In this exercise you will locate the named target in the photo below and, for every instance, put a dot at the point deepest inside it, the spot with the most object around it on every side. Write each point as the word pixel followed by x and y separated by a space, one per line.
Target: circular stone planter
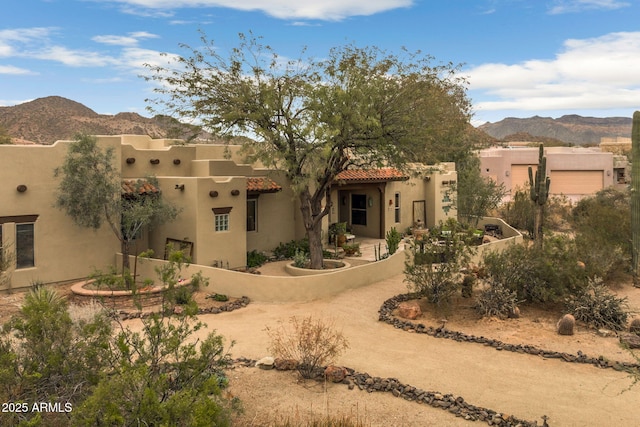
pixel 329 266
pixel 122 299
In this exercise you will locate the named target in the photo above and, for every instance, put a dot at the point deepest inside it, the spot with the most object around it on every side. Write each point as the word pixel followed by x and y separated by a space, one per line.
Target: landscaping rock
pixel 335 374
pixel 409 310
pixel 285 364
pixel 630 340
pixel 265 363
pixel 605 333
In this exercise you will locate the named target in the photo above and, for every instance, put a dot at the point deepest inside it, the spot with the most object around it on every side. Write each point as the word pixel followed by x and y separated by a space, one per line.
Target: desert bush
pixel 566 325
pixel 537 274
pixel 496 300
pixel 48 356
pixel 300 259
pixel 602 228
pixel 289 249
pixel 468 282
pixel 433 265
pixel 312 343
pixel 634 326
pixel 598 307
pixel 255 259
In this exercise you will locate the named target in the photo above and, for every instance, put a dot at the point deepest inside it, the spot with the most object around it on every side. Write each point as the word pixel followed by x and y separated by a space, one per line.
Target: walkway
pixel 522 385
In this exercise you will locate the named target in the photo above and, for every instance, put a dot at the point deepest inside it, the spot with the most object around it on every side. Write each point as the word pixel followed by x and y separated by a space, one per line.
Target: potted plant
pixel 351 249
pixel 337 233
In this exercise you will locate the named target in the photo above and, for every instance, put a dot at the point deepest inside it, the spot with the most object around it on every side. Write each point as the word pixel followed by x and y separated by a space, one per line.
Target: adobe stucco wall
pixel 510 236
pixel 63 250
pixel 285 288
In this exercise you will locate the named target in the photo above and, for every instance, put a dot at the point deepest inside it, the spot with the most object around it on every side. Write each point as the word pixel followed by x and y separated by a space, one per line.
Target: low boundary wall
pixel 264 288
pixel 510 236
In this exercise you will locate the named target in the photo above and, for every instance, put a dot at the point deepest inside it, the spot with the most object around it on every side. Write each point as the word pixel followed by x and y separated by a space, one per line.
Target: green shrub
pixel 46 355
pixel 538 275
pixel 255 259
pixel 288 250
pixel 393 239
pixel 602 228
pixel 300 259
pixel 434 263
pixel 599 308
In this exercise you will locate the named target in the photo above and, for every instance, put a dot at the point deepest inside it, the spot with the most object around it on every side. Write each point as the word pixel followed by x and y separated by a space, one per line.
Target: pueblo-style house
pixel 228 208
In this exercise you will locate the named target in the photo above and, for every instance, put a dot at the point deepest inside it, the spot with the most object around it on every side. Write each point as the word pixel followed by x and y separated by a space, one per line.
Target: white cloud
pixel 12 39
pixel 10 69
pixel 594 73
pixel 330 10
pixel 570 6
pixel 130 40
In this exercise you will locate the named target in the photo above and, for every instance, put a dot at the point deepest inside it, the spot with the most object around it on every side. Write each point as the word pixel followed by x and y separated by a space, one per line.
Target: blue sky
pixel 521 57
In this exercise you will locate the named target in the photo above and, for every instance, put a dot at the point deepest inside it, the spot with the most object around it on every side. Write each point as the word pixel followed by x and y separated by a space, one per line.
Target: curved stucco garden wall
pixel 285 288
pixel 509 236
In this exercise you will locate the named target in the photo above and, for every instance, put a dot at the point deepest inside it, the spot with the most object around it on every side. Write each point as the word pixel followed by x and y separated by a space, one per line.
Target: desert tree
pixel 312 119
pixel 103 200
pixel 476 195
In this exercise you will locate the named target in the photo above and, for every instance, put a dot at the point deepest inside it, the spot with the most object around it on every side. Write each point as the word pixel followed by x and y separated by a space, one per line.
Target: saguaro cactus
pixel 635 198
pixel 539 193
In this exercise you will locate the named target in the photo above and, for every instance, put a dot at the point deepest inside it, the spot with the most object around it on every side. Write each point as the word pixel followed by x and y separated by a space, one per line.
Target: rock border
pixel 224 308
pixel 456 405
pixel 385 315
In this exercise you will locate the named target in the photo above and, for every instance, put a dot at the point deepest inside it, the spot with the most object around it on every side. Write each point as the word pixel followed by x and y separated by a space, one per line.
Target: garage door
pixel 576 182
pixel 520 176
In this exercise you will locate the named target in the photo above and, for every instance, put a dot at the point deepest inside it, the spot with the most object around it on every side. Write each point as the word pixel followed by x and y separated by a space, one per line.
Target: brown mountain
pixel 53 118
pixel 571 129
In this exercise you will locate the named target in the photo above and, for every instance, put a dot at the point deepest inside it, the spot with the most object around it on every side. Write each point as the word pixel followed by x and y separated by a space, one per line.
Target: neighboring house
pixel 228 208
pixel 575 172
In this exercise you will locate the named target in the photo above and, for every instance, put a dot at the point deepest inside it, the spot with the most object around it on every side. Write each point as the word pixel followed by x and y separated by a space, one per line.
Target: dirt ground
pixel 515 384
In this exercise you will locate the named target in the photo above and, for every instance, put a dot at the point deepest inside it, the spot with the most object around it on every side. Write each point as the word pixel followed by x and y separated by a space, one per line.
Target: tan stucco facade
pixel 426 194
pixel 209 183
pixel 575 172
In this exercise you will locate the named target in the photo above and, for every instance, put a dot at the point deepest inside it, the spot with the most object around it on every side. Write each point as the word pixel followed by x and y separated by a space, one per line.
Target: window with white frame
pixel 221 218
pixel 222 222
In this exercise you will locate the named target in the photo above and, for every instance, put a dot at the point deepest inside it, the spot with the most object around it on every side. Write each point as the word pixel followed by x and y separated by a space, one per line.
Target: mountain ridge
pixel 53 118
pixel 570 128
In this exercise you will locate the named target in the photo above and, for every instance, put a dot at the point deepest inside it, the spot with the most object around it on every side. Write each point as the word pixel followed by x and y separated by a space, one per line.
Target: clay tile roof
pixel 371 175
pixel 262 184
pixel 132 186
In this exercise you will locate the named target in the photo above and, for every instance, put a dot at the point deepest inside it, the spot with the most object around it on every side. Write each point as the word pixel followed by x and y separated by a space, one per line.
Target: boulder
pixel 409 310
pixel 285 364
pixel 265 363
pixel 335 374
pixel 630 340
